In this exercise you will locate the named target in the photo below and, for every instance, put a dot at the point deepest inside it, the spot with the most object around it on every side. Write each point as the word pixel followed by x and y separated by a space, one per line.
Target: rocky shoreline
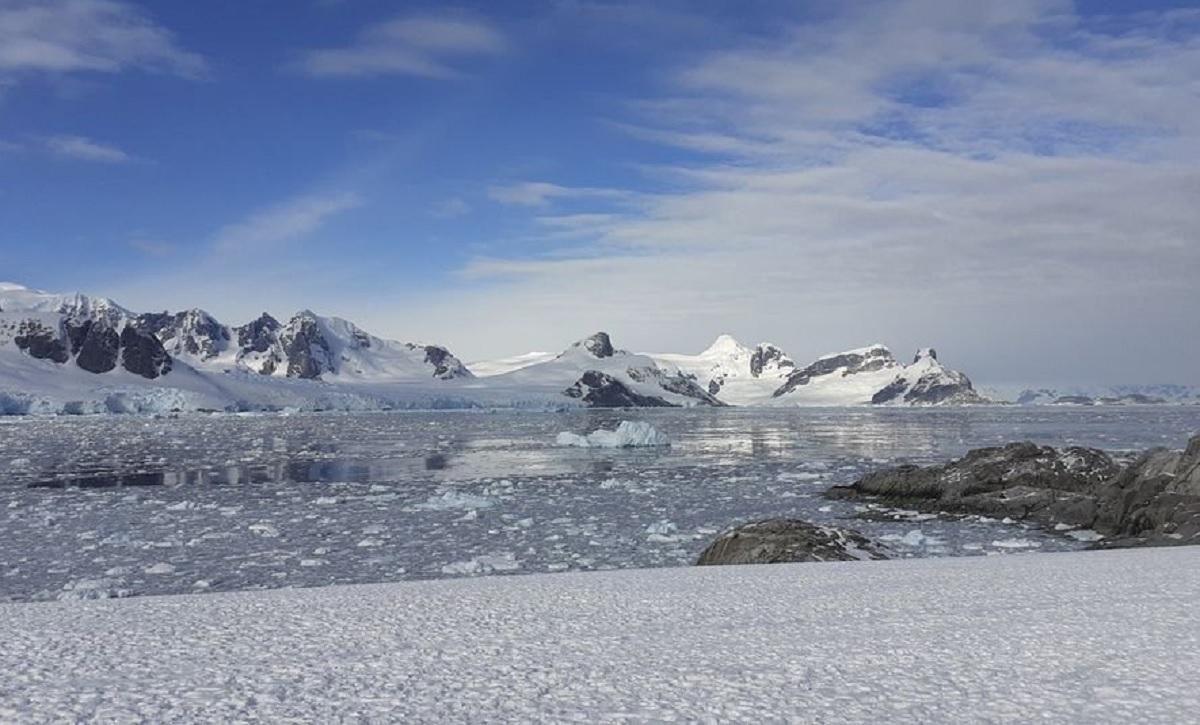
pixel 1154 500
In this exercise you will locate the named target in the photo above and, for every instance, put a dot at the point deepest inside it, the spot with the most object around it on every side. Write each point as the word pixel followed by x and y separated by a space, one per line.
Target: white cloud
pixel 540 193
pixel 428 47
pixel 81 148
pixel 290 220
pixel 1009 182
pixel 105 36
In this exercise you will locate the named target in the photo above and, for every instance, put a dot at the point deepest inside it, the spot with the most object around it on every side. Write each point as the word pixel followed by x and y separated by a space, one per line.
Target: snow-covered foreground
pixel 1079 637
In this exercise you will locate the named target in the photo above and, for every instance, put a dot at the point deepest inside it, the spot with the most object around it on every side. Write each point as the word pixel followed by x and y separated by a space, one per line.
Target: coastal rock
pixel 1154 500
pixel 777 541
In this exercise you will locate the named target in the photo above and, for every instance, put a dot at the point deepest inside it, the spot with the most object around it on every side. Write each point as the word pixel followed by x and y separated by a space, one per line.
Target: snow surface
pixel 1081 637
pixel 629 434
pixel 728 361
pixel 489 368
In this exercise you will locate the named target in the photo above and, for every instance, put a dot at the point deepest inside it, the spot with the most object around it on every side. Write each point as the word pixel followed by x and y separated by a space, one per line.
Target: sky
pixel 1015 184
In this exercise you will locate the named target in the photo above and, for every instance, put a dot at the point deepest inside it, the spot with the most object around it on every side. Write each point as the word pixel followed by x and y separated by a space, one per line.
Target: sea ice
pixel 629 434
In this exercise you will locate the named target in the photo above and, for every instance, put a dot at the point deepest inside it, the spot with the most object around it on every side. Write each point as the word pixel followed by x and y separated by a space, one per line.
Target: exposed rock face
pixel 599 345
pixel 868 360
pixel 192 332
pixel 928 382
pixel 777 541
pixel 600 390
pixel 259 335
pixel 40 342
pixel 96 345
pixel 305 348
pixel 764 356
pixel 259 340
pixel 445 365
pixel 142 353
pixel 678 383
pixel 1155 500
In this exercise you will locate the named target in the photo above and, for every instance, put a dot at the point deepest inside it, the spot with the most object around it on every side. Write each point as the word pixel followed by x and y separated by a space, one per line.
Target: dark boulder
pixel 40 342
pixel 777 541
pixel 601 390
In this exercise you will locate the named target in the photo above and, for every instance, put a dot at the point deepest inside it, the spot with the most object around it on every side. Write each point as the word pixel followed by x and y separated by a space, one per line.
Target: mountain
pixel 732 372
pixel 595 373
pixel 308 347
pixel 927 382
pixel 92 333
pixel 77 353
pixel 1097 395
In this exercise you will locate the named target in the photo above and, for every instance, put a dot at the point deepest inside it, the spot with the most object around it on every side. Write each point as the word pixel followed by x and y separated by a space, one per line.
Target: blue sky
pixel 1012 183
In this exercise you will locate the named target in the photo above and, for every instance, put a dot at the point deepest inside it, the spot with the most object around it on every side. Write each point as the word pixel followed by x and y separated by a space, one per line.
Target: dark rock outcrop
pixel 777 541
pixel 259 335
pixel 96 345
pixel 869 360
pixel 1154 500
pixel 192 332
pixel 143 354
pixel 445 365
pixel 679 383
pixel 40 342
pixel 764 355
pixel 601 390
pixel 305 348
pixel 930 384
pixel 599 345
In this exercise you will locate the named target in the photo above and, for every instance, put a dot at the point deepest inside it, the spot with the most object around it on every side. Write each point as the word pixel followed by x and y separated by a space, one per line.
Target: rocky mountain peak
pixel 599 345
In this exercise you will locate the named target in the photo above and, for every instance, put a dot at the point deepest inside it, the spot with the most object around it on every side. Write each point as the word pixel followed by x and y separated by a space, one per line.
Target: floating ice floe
pixel 1085 535
pixel 1015 544
pixel 483 565
pixel 451 500
pixel 629 434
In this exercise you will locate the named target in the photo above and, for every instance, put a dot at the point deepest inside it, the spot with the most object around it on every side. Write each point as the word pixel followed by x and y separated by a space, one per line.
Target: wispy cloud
pixel 104 36
pixel 424 46
pixel 919 171
pixel 541 193
pixel 81 148
pixel 290 220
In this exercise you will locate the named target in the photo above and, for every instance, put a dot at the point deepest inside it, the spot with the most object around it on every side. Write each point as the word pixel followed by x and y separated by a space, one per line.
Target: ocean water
pixel 125 505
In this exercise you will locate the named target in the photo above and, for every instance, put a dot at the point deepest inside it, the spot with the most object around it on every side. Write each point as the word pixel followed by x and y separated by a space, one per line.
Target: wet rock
pixel 601 390
pixel 777 541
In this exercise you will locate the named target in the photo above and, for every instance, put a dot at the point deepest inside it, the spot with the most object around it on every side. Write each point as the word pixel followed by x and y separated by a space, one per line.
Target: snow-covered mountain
pixel 308 347
pixel 597 374
pixel 93 334
pixel 1025 394
pixel 81 353
pixel 927 382
pixel 765 375
pixel 732 372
